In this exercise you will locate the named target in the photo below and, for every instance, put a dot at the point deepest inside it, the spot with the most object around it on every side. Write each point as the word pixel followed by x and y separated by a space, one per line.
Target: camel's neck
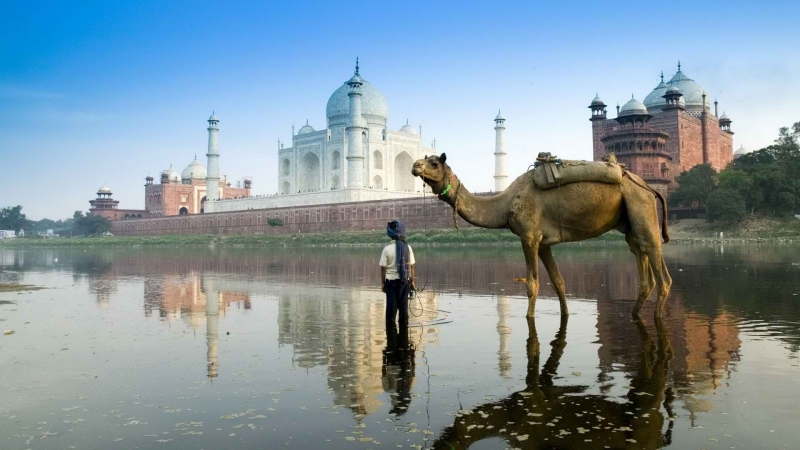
pixel 484 212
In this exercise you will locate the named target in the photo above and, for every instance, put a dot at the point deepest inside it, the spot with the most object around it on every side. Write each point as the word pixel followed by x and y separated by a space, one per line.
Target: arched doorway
pixel 285 188
pixel 202 205
pixel 403 179
pixel 336 182
pixel 377 182
pixel 309 173
pixel 377 160
pixel 336 160
pixel 183 211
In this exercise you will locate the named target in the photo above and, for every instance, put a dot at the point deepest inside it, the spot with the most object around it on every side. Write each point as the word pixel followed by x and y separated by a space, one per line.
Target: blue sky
pixel 107 92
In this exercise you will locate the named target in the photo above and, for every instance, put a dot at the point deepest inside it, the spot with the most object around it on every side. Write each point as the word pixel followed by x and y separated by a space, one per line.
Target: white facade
pixel 355 150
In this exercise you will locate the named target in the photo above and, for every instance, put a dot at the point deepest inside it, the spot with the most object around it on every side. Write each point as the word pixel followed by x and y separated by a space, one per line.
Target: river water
pixel 287 348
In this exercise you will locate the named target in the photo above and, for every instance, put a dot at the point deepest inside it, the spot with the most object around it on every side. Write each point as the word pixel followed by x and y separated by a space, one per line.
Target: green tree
pixel 726 205
pixel 88 225
pixel 743 183
pixel 12 218
pixel 694 186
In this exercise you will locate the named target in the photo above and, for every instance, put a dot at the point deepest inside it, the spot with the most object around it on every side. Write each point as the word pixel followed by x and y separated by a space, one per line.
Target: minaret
pixel 500 174
pixel 212 171
pixel 356 125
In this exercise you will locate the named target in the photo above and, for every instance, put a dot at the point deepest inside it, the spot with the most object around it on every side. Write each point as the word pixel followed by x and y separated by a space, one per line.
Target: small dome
pixel 741 151
pixel 355 79
pixel 407 128
pixel 306 129
pixel 633 106
pixel 724 117
pixel 499 116
pixel 672 91
pixel 597 101
pixel 213 118
pixel 195 170
pixel 172 175
pixel 104 190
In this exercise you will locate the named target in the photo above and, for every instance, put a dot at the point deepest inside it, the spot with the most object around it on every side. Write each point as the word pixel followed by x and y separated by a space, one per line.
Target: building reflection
pixel 344 329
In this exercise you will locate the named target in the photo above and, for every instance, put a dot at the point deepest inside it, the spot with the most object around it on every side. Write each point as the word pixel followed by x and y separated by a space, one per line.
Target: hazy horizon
pixel 96 93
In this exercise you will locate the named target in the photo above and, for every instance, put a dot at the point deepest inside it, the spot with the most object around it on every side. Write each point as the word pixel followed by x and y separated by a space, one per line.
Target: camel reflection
pixel 545 415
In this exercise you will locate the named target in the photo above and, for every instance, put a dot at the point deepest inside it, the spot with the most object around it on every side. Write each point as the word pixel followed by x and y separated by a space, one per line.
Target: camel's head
pixel 434 172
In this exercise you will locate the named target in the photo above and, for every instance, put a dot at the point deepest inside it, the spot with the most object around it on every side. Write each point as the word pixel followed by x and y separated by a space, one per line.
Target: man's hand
pixel 413 286
pixel 383 287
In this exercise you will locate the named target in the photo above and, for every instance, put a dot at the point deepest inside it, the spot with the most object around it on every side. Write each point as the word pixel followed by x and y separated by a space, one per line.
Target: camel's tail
pixel 641 183
pixel 664 232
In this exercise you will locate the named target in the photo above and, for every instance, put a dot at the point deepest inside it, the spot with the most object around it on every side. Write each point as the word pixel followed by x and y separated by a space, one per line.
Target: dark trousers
pixel 397 300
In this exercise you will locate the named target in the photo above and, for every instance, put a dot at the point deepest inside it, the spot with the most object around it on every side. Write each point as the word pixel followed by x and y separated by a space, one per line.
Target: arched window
pixel 336 182
pixel 285 166
pixel 183 211
pixel 377 182
pixel 285 188
pixel 377 159
pixel 336 160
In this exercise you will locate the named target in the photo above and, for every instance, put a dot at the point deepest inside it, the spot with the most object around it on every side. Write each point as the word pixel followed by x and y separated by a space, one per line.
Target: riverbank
pixel 683 231
pixel 361 238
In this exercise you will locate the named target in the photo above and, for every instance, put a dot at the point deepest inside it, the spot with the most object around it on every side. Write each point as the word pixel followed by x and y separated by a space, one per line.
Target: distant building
pixel 107 207
pixel 7 234
pixel 672 131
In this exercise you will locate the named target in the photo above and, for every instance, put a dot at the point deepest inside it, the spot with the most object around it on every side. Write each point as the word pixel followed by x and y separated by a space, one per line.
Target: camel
pixel 567 213
pixel 553 415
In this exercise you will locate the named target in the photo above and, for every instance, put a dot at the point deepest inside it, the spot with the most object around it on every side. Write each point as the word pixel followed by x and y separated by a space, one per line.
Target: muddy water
pixel 268 348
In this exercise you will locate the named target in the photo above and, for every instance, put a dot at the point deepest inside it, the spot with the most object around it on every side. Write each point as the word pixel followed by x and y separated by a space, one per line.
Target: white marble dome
pixel 172 174
pixel 194 170
pixel 408 128
pixel 306 129
pixel 655 99
pixel 692 92
pixel 372 103
pixel 104 190
pixel 633 106
pixel 741 151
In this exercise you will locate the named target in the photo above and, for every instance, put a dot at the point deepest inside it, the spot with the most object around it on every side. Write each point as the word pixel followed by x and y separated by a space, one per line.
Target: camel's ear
pixel 426 156
pixel 443 158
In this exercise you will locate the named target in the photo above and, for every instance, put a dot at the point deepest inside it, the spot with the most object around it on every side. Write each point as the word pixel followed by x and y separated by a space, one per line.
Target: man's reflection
pixel 547 415
pixel 398 367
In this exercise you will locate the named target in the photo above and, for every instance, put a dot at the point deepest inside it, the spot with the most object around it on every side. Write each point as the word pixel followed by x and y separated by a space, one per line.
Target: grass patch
pixel 19 287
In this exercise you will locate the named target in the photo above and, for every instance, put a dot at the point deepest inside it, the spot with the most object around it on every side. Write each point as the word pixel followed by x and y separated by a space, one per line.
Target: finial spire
pixel 306 121
pixel 662 76
pixel 406 121
pixel 679 65
pixel 356 65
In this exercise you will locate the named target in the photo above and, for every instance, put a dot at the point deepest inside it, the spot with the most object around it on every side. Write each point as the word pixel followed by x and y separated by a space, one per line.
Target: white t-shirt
pixel 389 260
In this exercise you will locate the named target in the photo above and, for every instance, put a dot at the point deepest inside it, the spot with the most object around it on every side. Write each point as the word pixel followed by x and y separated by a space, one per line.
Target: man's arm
pixel 383 278
pixel 413 275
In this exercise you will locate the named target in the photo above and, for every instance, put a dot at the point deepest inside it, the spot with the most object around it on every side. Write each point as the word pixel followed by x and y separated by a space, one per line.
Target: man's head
pixel 396 230
pixel 434 171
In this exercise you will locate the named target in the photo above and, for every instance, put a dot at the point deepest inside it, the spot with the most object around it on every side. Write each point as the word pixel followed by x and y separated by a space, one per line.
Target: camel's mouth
pixel 417 171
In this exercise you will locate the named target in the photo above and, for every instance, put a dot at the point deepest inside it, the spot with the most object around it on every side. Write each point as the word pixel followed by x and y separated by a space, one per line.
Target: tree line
pixel 80 224
pixel 764 182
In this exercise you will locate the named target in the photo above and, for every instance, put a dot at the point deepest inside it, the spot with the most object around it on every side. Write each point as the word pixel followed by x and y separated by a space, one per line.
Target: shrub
pixel 726 205
pixel 275 222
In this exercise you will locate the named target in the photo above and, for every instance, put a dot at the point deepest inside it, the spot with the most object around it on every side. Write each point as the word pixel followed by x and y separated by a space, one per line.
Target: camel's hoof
pixel 635 313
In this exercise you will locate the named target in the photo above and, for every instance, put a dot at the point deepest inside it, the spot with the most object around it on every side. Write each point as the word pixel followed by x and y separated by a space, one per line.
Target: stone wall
pixel 417 213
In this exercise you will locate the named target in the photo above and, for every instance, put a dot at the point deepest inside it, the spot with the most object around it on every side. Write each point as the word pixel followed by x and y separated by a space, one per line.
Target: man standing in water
pixel 397 273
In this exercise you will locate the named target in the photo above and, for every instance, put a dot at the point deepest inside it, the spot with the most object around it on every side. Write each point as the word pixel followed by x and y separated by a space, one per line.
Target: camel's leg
pixel 546 254
pixel 646 279
pixel 530 247
pixel 663 280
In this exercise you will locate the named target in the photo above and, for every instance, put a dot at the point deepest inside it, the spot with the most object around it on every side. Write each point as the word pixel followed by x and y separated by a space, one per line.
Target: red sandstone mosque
pixel 672 131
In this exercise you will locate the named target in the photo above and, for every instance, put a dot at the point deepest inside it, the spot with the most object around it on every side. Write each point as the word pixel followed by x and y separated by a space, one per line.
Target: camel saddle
pixel 550 171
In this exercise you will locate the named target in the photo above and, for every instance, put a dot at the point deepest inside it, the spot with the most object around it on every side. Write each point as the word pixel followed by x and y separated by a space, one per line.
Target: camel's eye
pixel 435 164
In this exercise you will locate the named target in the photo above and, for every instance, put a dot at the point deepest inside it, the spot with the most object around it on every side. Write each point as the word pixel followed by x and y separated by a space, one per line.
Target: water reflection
pixel 642 385
pixel 547 414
